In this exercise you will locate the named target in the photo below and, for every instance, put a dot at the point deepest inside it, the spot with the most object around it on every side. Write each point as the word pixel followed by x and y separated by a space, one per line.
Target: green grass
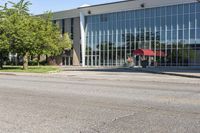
pixel 31 69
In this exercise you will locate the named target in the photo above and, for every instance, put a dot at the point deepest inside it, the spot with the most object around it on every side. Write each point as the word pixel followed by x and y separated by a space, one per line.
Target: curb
pixel 20 74
pixel 140 70
pixel 28 74
pixel 8 74
pixel 171 74
pixel 181 75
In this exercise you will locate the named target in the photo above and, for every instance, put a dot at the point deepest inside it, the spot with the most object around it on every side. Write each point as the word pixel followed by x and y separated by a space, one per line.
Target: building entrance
pixel 67 58
pixel 67 61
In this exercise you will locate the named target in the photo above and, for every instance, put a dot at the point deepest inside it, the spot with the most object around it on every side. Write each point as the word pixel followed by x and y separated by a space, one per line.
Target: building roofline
pixel 67 10
pixel 116 6
pixel 110 3
pixel 59 11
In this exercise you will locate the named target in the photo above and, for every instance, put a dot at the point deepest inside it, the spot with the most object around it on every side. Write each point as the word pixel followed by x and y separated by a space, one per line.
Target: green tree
pixel 27 35
pixel 4 44
pixel 22 7
pixel 15 26
pixel 20 35
pixel 48 40
pixel 65 42
pixel 4 7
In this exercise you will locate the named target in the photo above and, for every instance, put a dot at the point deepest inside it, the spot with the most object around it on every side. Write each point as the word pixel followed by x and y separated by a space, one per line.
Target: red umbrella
pixel 143 52
pixel 160 53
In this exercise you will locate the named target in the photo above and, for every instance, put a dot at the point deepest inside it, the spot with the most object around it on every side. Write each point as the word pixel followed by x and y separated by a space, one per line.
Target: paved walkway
pixel 176 71
pixel 191 72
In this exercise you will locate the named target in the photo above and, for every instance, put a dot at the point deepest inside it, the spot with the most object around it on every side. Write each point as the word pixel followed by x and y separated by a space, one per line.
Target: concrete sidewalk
pixel 175 71
pixel 190 72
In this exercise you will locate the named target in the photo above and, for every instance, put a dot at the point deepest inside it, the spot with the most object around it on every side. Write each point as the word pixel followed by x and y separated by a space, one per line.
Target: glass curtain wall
pixel 172 32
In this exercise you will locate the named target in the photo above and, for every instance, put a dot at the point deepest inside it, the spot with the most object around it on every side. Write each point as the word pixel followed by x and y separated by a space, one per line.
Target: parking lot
pixel 99 101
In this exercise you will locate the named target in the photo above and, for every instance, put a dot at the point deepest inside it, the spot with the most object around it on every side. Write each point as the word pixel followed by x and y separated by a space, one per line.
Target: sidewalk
pixel 191 72
pixel 176 71
pixel 22 74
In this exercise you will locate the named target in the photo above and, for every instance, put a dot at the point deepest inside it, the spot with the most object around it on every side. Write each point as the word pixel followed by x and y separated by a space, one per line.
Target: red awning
pixel 144 52
pixel 160 53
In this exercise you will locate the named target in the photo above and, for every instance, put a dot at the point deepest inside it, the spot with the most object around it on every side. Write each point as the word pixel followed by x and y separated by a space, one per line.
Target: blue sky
pixel 40 6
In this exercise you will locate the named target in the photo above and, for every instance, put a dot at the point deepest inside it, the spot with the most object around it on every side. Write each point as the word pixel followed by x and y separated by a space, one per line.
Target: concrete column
pixel 68 25
pixel 76 42
pixel 83 43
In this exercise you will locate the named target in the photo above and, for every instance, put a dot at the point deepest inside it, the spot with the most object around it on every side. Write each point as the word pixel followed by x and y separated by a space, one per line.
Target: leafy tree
pixel 22 7
pixel 20 35
pixel 4 44
pixel 27 35
pixel 4 7
pixel 65 42
pixel 14 29
pixel 48 40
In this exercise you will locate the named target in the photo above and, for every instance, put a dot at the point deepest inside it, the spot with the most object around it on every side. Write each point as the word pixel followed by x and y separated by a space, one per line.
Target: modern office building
pixel 108 34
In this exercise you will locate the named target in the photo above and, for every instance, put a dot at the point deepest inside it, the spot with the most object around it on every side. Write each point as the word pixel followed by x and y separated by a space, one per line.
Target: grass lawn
pixel 31 69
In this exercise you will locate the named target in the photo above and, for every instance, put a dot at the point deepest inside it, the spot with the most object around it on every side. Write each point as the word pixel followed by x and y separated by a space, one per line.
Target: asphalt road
pixel 99 102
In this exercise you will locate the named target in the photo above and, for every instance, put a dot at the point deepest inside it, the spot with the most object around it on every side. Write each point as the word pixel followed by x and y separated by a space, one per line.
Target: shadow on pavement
pixel 128 70
pixel 176 71
pixel 191 70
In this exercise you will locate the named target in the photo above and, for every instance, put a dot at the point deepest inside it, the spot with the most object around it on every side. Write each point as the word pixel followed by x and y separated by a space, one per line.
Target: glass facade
pixel 173 32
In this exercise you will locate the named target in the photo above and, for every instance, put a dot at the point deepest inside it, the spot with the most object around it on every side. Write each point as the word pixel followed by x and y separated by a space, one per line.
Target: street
pixel 99 102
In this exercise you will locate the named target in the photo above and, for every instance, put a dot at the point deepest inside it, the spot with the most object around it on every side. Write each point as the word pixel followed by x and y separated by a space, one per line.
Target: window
pixel 72 28
pixel 168 22
pixel 158 12
pixel 192 34
pixel 148 13
pixel 186 21
pixel 198 34
pixel 63 26
pixel 198 20
pixel 162 11
pixel 192 21
pixel 168 10
pixel 180 34
pixel 141 14
pixel 198 7
pixel 163 22
pixel 112 36
pixel 186 8
pixel 174 22
pixel 158 22
pixel 103 18
pixel 180 9
pixel 137 14
pixel 192 8
pixel 180 21
pixel 174 10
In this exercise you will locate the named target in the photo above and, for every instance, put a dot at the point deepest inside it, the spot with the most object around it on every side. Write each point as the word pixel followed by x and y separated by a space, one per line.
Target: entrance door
pixel 137 61
pixel 67 61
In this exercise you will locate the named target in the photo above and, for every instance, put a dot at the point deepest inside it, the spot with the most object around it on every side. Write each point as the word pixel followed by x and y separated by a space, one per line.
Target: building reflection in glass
pixel 172 32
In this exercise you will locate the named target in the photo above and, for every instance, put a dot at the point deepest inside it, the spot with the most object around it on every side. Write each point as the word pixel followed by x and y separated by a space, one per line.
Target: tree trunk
pixel 47 59
pixel 1 61
pixel 25 61
pixel 38 60
pixel 1 64
pixel 17 62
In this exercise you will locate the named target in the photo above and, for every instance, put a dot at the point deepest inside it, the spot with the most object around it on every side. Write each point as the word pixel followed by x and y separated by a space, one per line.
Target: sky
pixel 40 6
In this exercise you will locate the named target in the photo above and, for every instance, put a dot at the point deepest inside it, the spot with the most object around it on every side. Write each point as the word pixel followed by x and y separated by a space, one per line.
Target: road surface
pixel 99 102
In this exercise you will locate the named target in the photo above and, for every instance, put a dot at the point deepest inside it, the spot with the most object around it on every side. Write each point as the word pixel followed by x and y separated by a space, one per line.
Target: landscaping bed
pixel 31 69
